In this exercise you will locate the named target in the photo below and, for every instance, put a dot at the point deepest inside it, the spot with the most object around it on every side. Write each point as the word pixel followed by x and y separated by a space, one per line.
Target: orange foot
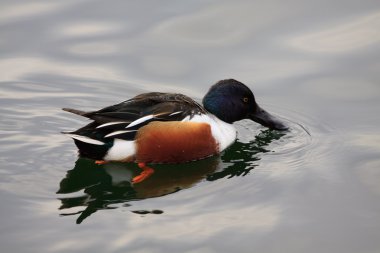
pixel 100 162
pixel 147 171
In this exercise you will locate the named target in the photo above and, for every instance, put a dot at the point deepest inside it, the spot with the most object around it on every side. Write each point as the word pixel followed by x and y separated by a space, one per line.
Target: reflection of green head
pixel 241 157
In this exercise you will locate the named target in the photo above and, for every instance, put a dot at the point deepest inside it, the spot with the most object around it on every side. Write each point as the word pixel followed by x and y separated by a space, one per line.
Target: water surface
pixel 312 189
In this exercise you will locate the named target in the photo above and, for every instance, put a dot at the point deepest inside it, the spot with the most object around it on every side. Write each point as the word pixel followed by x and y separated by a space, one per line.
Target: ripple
pixel 309 140
pixel 15 12
pixel 89 28
pixel 348 36
pixel 297 138
pixel 94 49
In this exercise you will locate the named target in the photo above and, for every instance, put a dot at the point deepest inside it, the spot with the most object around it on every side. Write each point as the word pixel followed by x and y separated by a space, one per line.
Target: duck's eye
pixel 245 99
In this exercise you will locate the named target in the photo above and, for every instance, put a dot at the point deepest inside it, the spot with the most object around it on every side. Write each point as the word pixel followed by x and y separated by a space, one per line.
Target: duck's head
pixel 231 100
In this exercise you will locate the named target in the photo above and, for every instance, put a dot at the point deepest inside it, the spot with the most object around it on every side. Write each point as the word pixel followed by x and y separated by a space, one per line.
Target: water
pixel 313 189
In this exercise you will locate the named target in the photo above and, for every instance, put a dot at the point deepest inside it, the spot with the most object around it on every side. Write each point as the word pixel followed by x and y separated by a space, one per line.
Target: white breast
pixel 224 133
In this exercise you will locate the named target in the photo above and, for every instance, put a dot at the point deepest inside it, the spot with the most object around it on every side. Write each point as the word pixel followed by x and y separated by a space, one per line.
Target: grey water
pixel 314 64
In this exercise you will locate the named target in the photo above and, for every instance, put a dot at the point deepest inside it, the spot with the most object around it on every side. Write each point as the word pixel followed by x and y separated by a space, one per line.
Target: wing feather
pixel 124 119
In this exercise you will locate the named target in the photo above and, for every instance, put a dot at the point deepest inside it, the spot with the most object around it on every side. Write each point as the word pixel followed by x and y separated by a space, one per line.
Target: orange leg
pixel 100 162
pixel 147 171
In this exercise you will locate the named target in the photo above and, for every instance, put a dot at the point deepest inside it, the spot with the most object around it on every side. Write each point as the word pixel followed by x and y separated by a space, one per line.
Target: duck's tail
pixel 75 111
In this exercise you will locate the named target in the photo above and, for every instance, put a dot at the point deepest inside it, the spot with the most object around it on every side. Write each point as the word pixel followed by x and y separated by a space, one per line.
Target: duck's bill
pixel 266 119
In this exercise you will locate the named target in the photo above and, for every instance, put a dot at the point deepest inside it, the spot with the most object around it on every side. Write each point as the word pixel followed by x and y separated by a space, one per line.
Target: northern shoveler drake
pixel 168 127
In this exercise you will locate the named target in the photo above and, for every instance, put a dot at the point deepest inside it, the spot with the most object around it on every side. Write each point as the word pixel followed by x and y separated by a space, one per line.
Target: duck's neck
pixel 217 111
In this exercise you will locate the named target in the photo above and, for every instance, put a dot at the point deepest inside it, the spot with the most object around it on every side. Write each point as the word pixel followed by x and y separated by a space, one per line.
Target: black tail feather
pixel 96 152
pixel 75 111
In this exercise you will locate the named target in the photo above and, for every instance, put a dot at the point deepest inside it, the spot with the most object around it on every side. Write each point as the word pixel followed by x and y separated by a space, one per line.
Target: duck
pixel 167 128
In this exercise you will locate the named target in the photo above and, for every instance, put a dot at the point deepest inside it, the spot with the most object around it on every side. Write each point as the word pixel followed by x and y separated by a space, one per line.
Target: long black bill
pixel 266 119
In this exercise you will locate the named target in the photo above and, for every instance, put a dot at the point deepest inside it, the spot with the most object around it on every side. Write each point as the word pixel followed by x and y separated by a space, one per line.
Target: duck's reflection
pixel 240 158
pixel 109 184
